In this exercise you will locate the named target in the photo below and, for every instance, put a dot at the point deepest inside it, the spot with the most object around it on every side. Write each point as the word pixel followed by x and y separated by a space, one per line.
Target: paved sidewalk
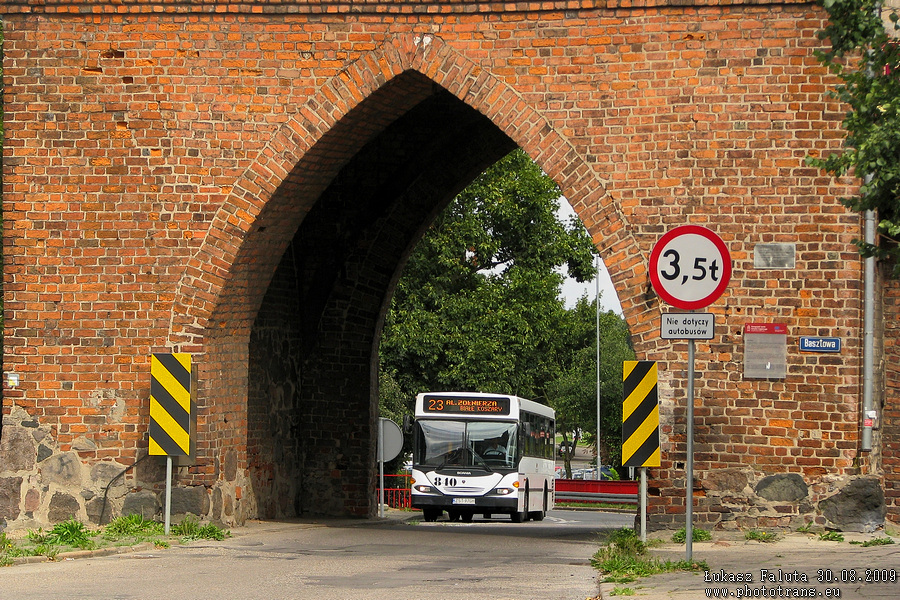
pixel 795 566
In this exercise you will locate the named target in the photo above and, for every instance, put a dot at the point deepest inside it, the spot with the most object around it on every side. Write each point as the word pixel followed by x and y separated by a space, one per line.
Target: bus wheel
pixel 487 516
pixel 521 517
pixel 431 514
pixel 453 515
pixel 467 517
pixel 538 515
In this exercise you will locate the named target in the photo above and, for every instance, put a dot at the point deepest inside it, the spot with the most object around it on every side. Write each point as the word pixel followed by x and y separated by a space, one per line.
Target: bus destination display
pixel 481 405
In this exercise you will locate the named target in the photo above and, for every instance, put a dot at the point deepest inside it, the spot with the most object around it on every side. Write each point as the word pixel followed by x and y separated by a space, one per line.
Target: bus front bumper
pixel 467 503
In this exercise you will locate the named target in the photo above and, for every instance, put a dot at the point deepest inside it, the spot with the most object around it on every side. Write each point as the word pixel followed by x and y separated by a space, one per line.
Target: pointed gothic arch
pixel 305 137
pixel 221 307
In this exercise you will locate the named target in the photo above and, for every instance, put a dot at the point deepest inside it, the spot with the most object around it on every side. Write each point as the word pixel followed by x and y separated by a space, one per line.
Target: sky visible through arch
pixel 572 290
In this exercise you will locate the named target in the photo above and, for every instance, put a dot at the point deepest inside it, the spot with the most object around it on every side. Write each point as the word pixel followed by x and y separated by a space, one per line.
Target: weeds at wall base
pixel 624 559
pixel 72 535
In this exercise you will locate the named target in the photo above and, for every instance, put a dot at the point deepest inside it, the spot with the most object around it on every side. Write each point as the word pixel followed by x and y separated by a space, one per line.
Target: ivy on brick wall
pixel 865 55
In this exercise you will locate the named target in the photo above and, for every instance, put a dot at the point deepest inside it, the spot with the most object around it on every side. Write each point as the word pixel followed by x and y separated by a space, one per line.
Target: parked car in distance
pixel 606 474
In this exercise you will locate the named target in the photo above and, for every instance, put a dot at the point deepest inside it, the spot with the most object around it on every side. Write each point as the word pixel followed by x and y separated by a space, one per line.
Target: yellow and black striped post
pixel 170 404
pixel 640 414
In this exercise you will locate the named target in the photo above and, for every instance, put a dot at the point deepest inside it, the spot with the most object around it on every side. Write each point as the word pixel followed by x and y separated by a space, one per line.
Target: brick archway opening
pixel 287 297
pixel 311 350
pixel 312 397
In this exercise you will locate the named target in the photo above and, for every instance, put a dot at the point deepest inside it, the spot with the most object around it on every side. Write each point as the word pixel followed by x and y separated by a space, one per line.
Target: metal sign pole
pixel 381 466
pixel 597 306
pixel 690 267
pixel 168 492
pixel 689 463
pixel 644 504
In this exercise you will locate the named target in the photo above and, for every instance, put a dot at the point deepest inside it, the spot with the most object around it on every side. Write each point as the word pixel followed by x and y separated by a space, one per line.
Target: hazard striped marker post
pixel 640 424
pixel 170 413
pixel 690 267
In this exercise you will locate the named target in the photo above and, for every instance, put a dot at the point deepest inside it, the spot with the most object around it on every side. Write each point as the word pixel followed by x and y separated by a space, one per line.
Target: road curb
pixel 80 554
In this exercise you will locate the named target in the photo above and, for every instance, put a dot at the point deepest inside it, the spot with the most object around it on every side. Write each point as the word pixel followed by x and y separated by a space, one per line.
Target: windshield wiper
pixel 448 456
pixel 477 456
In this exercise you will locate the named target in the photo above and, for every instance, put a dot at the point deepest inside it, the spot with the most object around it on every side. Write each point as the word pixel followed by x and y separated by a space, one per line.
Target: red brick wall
pixel 159 162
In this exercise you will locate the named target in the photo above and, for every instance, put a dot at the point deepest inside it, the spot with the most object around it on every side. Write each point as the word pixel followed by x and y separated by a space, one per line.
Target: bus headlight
pixel 503 491
pixel 425 489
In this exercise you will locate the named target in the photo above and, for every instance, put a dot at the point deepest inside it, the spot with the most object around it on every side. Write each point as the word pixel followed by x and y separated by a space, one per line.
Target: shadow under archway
pixel 312 396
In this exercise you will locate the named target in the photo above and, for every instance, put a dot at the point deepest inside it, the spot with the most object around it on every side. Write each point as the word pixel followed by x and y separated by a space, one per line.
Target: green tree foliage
pixel 574 391
pixel 867 61
pixel 477 307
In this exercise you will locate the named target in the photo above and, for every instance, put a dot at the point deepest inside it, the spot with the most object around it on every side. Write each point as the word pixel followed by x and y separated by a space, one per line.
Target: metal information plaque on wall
pixel 765 351
pixel 774 256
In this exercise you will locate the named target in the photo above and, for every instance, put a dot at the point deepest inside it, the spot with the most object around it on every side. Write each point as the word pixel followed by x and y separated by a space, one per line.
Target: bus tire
pixel 538 515
pixel 521 517
pixel 431 514
pixel 467 517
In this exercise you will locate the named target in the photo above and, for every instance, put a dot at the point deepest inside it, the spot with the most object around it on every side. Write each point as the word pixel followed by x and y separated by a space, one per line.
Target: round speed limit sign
pixel 690 267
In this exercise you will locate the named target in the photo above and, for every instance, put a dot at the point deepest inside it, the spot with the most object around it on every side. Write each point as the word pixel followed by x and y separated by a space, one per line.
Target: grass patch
pixel 831 536
pixel 134 529
pixel 624 559
pixel 882 541
pixel 70 535
pixel 190 529
pixel 8 550
pixel 697 535
pixel 761 536
pixel 620 591
pixel 129 530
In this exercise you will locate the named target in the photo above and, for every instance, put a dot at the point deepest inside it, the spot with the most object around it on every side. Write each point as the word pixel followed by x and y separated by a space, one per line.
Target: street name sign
pixel 820 344
pixel 688 326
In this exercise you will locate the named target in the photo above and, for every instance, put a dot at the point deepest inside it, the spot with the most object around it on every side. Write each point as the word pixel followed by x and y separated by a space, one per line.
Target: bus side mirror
pixel 408 424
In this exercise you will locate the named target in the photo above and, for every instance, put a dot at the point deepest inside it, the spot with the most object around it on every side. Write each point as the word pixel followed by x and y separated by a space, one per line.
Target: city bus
pixel 487 454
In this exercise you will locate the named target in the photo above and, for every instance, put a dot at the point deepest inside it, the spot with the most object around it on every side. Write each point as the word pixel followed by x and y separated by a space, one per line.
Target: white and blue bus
pixel 485 454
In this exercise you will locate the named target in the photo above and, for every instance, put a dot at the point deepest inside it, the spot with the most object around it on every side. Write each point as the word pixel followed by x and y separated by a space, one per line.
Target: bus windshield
pixel 479 444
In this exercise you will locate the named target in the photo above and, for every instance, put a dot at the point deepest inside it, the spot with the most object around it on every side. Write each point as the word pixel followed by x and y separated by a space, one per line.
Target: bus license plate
pixel 464 501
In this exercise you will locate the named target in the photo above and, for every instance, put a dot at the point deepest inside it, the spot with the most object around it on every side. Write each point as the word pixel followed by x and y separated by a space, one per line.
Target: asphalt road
pixel 393 559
